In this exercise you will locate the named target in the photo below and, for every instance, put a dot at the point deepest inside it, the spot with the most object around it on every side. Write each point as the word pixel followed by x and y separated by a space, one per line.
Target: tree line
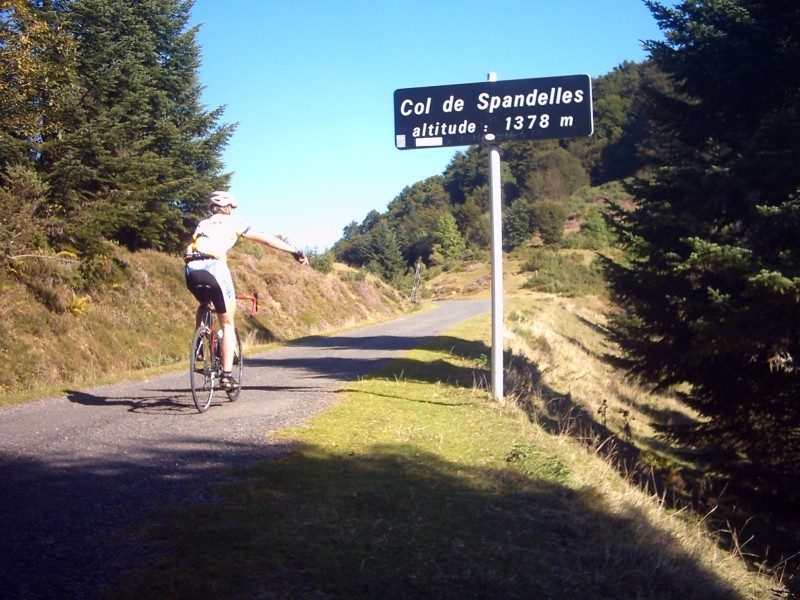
pixel 447 216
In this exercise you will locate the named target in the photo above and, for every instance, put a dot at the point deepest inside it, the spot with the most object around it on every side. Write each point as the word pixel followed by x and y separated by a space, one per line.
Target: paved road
pixel 76 470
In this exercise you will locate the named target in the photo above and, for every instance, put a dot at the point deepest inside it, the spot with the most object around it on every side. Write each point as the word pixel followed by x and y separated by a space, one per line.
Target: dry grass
pixel 54 336
pixel 560 375
pixel 474 280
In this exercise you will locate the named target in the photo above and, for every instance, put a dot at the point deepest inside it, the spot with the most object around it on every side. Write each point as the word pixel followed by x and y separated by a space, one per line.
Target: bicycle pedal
pixel 229 384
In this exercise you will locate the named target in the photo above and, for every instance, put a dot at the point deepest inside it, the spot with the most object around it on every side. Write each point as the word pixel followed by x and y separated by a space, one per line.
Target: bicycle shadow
pixel 175 404
pixel 178 402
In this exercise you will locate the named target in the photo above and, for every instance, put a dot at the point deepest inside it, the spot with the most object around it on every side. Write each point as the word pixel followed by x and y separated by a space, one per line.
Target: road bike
pixel 205 362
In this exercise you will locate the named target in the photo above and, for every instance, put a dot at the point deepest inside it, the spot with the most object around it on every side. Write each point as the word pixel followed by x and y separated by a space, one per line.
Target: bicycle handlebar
pixel 253 302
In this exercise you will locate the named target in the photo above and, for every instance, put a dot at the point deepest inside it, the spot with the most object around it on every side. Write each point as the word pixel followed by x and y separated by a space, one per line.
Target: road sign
pixel 490 113
pixel 493 111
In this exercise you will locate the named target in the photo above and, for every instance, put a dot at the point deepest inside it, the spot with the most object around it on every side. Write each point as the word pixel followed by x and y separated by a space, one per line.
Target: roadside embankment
pixel 56 330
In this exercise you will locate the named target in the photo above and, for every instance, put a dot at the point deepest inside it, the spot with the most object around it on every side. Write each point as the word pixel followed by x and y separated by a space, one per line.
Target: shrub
pixel 594 233
pixel 566 274
pixel 321 262
pixel 23 232
pixel 550 216
pixel 518 223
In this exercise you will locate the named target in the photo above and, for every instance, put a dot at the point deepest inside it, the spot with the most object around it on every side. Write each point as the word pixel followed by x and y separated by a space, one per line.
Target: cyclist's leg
pixel 203 284
pixel 198 316
pixel 226 311
pixel 226 322
pixel 235 386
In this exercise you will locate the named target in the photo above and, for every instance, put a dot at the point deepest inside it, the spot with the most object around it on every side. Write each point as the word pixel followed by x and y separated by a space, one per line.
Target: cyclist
pixel 207 266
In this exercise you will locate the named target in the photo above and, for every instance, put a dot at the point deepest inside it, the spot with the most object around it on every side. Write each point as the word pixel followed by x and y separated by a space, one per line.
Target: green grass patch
pixel 415 485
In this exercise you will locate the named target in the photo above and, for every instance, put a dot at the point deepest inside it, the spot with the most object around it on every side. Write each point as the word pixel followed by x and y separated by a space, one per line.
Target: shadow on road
pixel 354 357
pixel 65 525
pixel 173 403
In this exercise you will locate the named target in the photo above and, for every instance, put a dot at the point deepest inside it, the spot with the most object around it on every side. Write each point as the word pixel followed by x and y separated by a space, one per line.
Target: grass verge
pixel 415 485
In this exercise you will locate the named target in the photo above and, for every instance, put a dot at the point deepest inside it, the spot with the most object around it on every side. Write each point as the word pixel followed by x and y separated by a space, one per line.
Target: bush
pixel 359 275
pixel 594 233
pixel 321 262
pixel 566 274
pixel 23 232
pixel 518 223
pixel 550 216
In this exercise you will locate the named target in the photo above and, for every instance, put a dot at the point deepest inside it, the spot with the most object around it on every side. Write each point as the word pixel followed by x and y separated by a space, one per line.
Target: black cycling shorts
pixel 205 288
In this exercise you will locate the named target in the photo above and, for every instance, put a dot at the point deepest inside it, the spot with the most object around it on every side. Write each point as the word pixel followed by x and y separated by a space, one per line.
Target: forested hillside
pixel 447 216
pixel 107 159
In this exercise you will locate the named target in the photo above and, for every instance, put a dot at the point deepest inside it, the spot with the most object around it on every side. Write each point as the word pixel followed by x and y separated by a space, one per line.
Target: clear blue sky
pixel 310 84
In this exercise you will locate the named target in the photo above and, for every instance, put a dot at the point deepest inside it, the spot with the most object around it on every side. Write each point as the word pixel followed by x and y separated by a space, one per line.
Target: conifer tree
pixel 143 153
pixel 449 238
pixel 386 259
pixel 517 224
pixel 712 287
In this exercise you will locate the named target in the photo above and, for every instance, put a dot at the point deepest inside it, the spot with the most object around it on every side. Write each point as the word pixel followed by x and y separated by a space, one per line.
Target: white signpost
pixel 490 113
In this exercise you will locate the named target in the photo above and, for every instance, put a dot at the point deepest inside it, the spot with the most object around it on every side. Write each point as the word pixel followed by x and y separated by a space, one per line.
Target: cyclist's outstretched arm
pixel 277 243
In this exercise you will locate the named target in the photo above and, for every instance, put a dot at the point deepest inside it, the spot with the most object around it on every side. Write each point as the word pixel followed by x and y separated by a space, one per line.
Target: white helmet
pixel 222 199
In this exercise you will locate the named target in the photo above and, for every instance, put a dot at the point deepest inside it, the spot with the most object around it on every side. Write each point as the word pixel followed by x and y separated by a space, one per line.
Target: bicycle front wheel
pixel 202 374
pixel 238 368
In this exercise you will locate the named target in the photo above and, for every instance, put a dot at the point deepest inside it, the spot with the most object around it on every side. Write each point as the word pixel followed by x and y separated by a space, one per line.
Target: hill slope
pixel 52 335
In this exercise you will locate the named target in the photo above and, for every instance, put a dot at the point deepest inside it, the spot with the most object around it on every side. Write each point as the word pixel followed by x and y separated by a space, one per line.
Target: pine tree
pixel 449 238
pixel 385 254
pixel 143 153
pixel 471 221
pixel 517 224
pixel 712 287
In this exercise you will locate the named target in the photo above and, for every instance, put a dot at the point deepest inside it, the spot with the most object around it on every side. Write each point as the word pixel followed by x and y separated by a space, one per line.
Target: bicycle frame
pixel 208 318
pixel 211 371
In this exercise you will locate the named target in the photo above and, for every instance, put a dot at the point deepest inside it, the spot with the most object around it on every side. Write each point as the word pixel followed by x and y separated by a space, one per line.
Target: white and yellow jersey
pixel 217 234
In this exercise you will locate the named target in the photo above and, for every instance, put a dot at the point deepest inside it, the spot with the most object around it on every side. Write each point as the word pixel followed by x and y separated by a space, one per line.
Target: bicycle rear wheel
pixel 238 368
pixel 202 374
